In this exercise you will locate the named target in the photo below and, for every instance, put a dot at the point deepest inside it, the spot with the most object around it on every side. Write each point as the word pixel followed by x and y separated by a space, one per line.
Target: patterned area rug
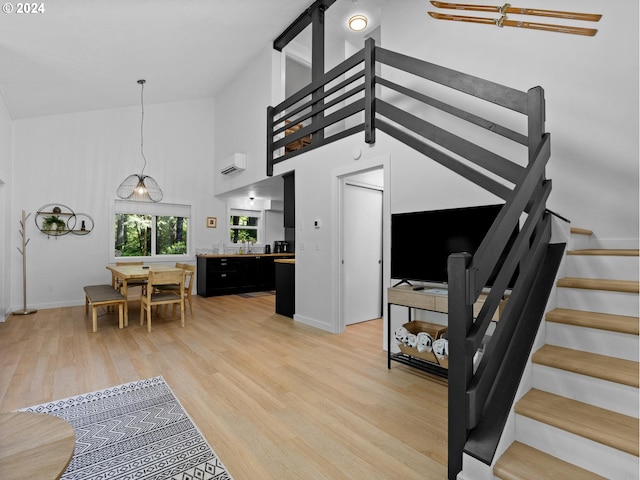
pixel 136 430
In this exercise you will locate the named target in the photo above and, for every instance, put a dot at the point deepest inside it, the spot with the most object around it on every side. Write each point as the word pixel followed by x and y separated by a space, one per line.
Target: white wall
pixel 591 86
pixel 273 226
pixel 79 160
pixel 591 90
pixel 414 184
pixel 241 122
pixel 6 224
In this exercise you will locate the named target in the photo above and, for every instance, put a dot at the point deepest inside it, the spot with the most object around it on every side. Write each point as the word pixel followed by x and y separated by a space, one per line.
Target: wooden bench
pixel 103 295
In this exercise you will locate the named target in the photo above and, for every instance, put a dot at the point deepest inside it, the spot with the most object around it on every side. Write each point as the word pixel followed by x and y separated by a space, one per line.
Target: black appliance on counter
pixel 280 246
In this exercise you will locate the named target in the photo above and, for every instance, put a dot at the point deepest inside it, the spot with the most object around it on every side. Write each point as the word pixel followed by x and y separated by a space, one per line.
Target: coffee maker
pixel 281 246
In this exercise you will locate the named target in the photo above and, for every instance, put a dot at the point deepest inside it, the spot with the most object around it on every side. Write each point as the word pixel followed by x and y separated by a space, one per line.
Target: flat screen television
pixel 421 242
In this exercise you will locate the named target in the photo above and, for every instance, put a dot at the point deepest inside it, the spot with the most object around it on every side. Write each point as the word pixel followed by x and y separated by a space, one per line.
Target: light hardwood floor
pixel 274 398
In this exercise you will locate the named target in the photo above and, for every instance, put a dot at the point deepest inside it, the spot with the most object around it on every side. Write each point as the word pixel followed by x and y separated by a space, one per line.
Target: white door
pixel 362 253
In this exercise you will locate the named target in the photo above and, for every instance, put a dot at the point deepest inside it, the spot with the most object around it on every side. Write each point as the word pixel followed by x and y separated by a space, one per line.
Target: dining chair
pixel 117 284
pixel 189 275
pixel 155 296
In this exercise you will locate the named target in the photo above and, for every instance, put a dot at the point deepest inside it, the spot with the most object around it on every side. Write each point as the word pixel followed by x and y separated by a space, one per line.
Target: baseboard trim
pixel 313 322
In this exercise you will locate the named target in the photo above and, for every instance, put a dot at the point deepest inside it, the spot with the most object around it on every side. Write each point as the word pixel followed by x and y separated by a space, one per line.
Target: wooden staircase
pixel 580 419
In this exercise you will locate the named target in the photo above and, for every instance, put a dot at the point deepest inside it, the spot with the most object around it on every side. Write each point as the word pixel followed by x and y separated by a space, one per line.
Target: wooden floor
pixel 274 398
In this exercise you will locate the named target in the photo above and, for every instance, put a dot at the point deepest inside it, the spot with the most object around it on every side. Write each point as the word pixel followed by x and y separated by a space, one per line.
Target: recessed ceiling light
pixel 358 23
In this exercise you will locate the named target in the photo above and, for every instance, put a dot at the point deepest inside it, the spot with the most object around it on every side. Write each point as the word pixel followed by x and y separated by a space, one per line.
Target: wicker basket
pixel 436 331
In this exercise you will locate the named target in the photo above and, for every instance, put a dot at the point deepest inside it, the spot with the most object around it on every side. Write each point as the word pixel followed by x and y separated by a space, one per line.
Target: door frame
pixel 340 176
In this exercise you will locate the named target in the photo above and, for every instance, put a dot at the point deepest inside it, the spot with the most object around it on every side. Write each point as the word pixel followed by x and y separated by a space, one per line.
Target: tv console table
pixel 431 299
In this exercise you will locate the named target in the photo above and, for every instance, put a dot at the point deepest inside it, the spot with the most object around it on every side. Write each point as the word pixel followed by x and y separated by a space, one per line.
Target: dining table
pixel 34 445
pixel 125 273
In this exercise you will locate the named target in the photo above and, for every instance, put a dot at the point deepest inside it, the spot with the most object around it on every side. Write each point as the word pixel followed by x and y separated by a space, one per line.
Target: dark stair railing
pixel 481 395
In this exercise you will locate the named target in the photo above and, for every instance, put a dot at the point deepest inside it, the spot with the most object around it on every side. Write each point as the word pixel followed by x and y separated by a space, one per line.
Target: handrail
pixel 298 109
pixel 516 255
pixel 481 384
pixel 491 248
pixel 318 84
pixel 525 190
pixel 478 87
pixel 557 215
pixel 454 111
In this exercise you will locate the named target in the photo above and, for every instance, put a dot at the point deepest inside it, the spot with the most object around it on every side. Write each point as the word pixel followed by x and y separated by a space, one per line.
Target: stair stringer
pixel 472 468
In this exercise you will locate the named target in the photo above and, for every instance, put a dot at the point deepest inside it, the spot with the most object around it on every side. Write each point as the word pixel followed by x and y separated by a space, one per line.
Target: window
pixel 244 226
pixel 171 235
pixel 149 230
pixel 133 235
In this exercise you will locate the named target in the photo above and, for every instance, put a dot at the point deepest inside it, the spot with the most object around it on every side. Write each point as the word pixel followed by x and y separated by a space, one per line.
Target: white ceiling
pixel 81 55
pixel 84 55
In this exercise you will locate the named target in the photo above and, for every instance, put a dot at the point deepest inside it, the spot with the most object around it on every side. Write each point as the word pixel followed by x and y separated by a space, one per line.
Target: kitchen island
pixel 220 274
pixel 285 287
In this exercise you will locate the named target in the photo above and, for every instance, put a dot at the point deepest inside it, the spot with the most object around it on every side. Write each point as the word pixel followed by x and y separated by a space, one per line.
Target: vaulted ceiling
pixel 81 55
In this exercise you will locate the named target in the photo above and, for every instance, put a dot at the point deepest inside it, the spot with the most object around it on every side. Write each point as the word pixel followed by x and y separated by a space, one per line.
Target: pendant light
pixel 140 187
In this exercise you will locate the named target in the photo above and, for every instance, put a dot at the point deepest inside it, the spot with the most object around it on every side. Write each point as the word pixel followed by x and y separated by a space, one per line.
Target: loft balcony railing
pixel 407 102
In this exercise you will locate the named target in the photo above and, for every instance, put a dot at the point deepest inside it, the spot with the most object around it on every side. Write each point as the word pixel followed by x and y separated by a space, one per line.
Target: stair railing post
pixel 269 141
pixel 536 118
pixel 369 90
pixel 460 364
pixel 317 69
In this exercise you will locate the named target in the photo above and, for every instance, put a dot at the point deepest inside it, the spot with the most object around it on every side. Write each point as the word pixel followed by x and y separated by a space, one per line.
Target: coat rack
pixel 23 252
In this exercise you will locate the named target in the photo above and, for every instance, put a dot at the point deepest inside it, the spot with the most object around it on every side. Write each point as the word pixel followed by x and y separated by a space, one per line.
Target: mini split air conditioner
pixel 235 163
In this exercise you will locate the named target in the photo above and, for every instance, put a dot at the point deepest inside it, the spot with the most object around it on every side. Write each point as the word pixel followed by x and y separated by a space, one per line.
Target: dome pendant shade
pixel 140 188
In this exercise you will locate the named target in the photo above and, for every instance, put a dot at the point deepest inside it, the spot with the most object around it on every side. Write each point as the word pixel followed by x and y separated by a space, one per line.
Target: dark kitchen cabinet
pixel 232 274
pixel 219 276
pixel 266 274
pixel 286 288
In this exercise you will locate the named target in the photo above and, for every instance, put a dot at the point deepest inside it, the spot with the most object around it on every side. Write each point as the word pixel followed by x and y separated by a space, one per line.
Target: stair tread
pixel 619 252
pixel 522 462
pixel 625 372
pixel 581 231
pixel 626 286
pixel 598 424
pixel 601 321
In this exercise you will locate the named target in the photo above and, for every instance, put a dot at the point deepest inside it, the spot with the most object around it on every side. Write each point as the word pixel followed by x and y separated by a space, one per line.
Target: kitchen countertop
pixel 222 255
pixel 291 261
